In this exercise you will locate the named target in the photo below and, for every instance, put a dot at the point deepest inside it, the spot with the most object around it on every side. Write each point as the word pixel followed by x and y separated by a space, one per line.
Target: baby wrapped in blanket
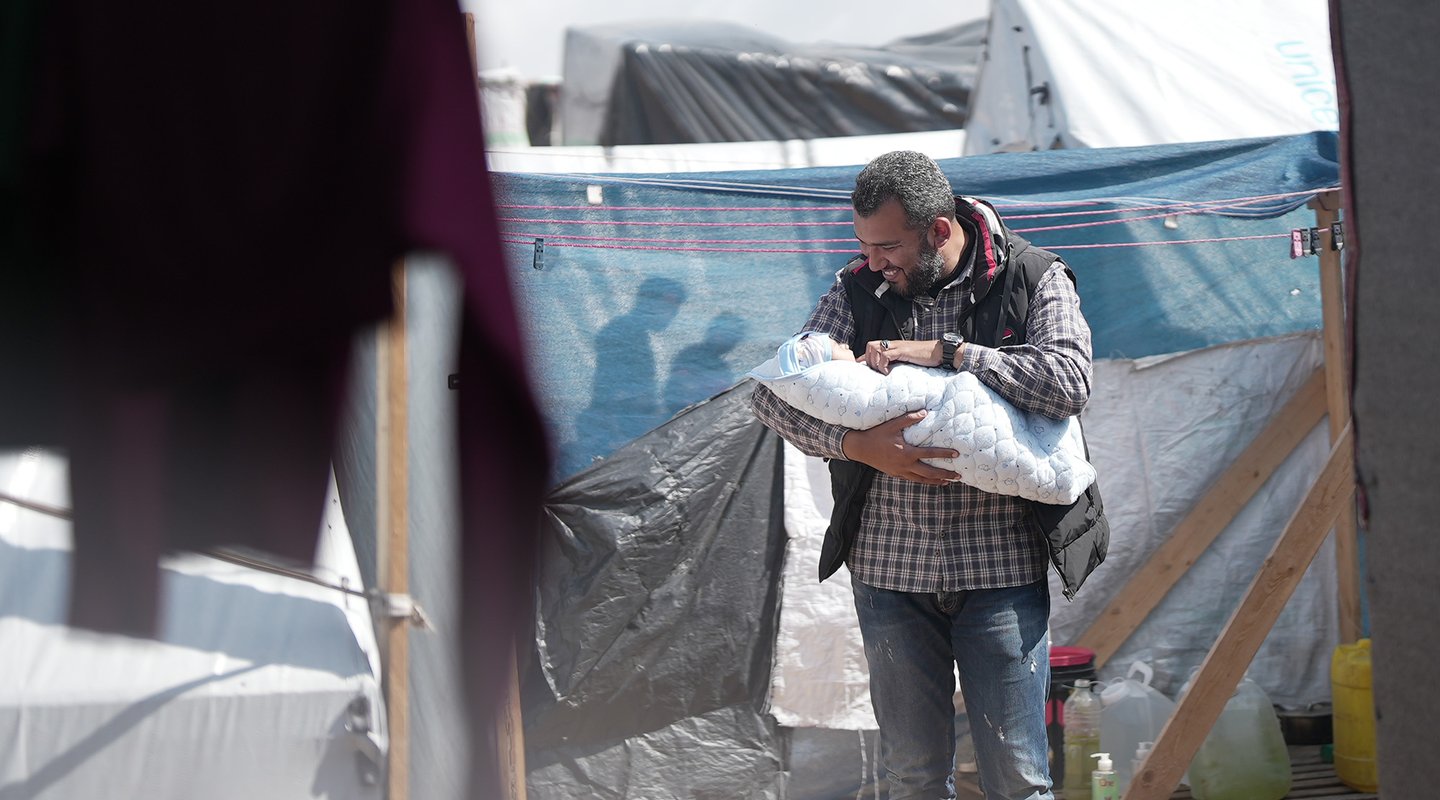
pixel 1003 450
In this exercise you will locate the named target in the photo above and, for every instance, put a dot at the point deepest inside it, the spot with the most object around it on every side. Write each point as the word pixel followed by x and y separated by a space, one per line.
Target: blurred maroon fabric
pixel 219 194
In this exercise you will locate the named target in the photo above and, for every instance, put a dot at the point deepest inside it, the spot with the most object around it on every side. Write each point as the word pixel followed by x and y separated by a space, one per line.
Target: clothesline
pixel 853 251
pixel 1165 211
pixel 1228 203
pixel 843 195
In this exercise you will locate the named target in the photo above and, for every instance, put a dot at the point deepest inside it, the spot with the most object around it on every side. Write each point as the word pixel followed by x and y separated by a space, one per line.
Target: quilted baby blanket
pixel 1003 450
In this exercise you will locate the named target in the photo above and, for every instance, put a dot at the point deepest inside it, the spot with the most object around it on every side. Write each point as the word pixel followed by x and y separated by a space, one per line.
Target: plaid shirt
pixel 919 538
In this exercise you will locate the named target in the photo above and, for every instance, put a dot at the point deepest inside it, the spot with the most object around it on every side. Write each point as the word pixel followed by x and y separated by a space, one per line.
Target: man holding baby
pixel 947 577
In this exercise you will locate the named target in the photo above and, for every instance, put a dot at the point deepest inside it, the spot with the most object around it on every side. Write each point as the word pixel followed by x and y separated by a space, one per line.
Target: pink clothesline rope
pixel 1173 241
pixel 1176 204
pixel 1208 205
pixel 1168 211
pixel 845 207
pixel 530 243
pixel 1100 222
pixel 668 224
pixel 550 237
pixel 851 251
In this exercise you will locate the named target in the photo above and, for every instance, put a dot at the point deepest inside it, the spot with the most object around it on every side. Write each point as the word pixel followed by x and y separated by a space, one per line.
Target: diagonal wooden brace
pixel 1222 669
pixel 1221 502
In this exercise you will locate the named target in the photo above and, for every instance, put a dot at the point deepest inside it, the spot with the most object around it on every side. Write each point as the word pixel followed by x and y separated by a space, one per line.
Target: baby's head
pixel 808 348
pixel 817 348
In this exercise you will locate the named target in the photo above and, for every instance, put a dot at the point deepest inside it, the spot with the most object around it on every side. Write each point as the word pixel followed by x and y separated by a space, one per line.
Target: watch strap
pixel 949 344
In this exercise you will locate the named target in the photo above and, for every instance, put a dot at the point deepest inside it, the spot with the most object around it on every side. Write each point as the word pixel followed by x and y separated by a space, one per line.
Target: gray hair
pixel 910 177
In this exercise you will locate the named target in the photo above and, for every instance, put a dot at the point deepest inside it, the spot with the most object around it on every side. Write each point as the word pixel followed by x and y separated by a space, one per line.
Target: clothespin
pixel 1302 242
pixel 1306 241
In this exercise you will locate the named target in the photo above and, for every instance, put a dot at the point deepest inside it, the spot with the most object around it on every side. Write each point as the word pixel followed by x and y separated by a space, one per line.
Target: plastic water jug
pixel 1244 756
pixel 1354 721
pixel 1133 712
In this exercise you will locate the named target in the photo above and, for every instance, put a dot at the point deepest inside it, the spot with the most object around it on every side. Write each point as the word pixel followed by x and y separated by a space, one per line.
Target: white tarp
pixel 1119 73
pixel 717 156
pixel 820 678
pixel 258 685
pixel 1160 431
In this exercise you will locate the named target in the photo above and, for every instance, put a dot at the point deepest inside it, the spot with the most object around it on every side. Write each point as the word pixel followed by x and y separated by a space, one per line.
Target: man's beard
pixel 921 278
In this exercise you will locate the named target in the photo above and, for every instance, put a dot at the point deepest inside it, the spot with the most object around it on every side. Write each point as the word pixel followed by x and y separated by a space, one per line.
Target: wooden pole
pixel 1337 393
pixel 1221 502
pixel 392 514
pixel 1248 626
pixel 509 730
pixel 470 44
pixel 510 738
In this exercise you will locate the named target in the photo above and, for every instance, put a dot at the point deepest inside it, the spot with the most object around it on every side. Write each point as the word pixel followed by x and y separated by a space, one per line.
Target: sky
pixel 529 35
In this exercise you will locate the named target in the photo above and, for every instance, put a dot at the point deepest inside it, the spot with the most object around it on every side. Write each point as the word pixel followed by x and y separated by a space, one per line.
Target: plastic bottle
pixel 1082 739
pixel 1102 780
pixel 1244 756
pixel 1141 753
pixel 1133 712
pixel 1354 699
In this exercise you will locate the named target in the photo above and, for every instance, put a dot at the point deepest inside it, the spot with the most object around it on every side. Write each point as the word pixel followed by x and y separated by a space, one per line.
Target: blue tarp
pixel 670 287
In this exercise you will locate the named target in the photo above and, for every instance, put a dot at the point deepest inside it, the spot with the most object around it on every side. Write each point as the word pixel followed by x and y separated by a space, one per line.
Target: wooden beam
pixel 470 46
pixel 510 737
pixel 393 475
pixel 1222 501
pixel 1337 393
pixel 509 730
pixel 1222 669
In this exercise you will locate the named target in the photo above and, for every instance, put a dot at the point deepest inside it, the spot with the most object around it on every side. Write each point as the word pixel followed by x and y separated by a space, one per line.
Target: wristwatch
pixel 950 342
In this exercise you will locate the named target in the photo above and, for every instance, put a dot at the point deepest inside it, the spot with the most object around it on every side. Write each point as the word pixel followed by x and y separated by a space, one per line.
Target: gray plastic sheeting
pixel 658 606
pixel 662 83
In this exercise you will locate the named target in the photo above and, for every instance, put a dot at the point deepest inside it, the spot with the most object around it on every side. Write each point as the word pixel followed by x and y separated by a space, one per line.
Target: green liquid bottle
pixel 1082 740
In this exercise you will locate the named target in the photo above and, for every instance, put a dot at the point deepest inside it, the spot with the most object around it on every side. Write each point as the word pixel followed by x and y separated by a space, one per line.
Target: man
pixel 943 574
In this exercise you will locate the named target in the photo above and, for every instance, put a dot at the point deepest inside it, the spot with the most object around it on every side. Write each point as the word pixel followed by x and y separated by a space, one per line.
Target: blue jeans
pixel 997 639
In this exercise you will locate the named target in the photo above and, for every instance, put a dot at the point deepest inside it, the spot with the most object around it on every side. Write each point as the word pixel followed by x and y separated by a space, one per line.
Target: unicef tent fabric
pixel 646 295
pixel 1187 72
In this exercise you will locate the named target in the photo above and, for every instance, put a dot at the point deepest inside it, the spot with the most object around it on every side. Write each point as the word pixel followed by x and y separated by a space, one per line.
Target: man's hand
pixel 884 448
pixel 882 354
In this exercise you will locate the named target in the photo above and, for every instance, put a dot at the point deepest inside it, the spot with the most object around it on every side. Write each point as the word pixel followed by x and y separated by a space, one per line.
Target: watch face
pixel 952 338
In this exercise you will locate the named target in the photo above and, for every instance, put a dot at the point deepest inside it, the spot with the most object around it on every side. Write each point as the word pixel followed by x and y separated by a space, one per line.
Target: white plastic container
pixel 1141 753
pixel 1133 712
pixel 1244 757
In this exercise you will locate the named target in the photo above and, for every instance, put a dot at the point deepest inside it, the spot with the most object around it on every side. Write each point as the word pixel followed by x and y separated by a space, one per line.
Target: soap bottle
pixel 1141 753
pixel 1102 780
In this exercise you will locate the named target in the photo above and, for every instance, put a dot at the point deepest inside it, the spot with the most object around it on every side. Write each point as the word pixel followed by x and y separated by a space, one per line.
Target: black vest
pixel 1077 535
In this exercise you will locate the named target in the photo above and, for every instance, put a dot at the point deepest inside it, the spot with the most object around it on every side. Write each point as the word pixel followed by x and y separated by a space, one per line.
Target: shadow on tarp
pixel 204 614
pixel 117 726
pixel 764 245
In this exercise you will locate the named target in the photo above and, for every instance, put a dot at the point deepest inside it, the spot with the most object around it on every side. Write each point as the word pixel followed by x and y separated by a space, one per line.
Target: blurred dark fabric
pixel 202 207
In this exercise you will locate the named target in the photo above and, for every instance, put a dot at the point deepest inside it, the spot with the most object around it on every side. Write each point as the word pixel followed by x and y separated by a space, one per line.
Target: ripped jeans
pixel 997 638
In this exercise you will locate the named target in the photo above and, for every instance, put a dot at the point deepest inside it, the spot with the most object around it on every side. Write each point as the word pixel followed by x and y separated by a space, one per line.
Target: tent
pixel 831 151
pixel 1111 73
pixel 648 296
pixel 281 674
pixel 673 82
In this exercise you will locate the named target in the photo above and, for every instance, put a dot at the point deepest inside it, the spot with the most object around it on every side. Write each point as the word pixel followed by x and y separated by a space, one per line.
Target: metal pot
pixel 1310 725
